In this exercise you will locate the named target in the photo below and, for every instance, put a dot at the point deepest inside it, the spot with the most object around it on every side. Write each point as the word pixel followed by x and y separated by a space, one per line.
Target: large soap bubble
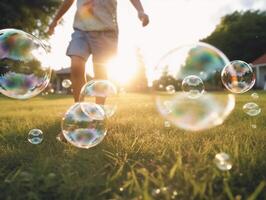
pixel 81 129
pixel 102 92
pixel 202 62
pixel 24 70
pixel 238 76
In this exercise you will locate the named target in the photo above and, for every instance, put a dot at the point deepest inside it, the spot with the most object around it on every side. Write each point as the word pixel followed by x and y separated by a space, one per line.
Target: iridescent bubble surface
pixel 193 86
pixel 223 161
pixel 101 92
pixel 35 136
pixel 24 70
pixel 203 105
pixel 252 109
pixel 80 129
pixel 238 77
pixel 66 83
pixel 205 112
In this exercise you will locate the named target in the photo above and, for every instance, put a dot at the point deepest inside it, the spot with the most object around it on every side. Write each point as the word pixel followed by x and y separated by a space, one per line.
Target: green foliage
pixel 241 35
pixel 138 157
pixel 32 16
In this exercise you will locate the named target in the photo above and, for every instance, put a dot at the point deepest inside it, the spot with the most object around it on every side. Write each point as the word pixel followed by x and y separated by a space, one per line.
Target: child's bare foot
pixel 61 138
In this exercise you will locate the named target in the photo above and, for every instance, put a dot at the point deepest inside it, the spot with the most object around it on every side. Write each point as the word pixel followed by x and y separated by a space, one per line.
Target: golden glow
pixel 121 69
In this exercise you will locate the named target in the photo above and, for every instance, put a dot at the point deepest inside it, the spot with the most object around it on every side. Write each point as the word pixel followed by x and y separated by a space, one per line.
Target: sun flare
pixel 121 69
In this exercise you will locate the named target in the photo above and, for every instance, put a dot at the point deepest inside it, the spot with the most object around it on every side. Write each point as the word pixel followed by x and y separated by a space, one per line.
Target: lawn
pixel 138 159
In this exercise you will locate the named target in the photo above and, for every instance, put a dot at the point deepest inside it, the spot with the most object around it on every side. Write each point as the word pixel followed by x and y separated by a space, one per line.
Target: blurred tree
pixel 241 35
pixel 139 83
pixel 32 16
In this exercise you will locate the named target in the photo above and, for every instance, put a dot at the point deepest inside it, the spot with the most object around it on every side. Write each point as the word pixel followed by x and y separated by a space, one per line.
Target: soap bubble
pixel 223 161
pixel 35 136
pixel 205 112
pixel 193 86
pixel 203 105
pixel 81 129
pixel 254 126
pixel 167 124
pixel 238 76
pixel 254 96
pixel 170 89
pixel 252 109
pixel 66 83
pixel 103 92
pixel 24 70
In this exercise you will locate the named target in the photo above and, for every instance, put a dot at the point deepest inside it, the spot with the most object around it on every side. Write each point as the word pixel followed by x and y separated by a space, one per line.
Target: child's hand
pixel 144 18
pixel 52 27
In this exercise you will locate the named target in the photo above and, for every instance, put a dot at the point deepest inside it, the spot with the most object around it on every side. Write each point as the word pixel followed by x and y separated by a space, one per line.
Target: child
pixel 96 34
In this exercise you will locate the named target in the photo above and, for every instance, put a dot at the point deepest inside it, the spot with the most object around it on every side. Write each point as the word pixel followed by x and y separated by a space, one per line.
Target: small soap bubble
pixel 170 89
pixel 35 136
pixel 193 86
pixel 223 161
pixel 252 109
pixel 66 83
pixel 167 124
pixel 254 96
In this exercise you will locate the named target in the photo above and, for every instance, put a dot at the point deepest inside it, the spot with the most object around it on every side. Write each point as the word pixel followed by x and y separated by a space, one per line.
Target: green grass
pixel 138 158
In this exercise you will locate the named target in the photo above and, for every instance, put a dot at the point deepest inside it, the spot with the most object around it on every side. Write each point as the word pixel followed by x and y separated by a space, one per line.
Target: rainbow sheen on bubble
pixel 193 86
pixel 238 76
pixel 35 136
pixel 199 102
pixel 103 92
pixel 24 70
pixel 81 129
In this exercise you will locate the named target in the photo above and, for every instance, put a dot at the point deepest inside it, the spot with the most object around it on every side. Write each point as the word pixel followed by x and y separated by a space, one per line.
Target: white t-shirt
pixel 96 15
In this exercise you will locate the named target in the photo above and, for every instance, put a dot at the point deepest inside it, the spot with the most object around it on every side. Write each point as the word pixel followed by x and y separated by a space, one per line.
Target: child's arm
pixel 141 14
pixel 62 10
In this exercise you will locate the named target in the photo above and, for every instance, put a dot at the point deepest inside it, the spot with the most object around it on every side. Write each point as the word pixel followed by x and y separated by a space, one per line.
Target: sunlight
pixel 122 68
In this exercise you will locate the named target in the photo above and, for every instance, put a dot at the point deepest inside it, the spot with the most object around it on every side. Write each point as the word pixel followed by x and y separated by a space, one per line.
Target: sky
pixel 172 23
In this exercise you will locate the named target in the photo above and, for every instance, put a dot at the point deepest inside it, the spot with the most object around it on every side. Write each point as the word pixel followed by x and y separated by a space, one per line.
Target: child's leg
pixel 78 75
pixel 103 46
pixel 99 73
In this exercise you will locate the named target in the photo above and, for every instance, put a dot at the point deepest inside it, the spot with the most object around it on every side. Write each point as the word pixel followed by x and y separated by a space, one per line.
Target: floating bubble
pixel 35 136
pixel 103 92
pixel 206 112
pixel 156 192
pixel 223 161
pixel 24 71
pixel 254 126
pixel 66 83
pixel 203 75
pixel 254 96
pixel 238 76
pixel 167 124
pixel 170 89
pixel 82 130
pixel 252 109
pixel 193 86
pixel 203 104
